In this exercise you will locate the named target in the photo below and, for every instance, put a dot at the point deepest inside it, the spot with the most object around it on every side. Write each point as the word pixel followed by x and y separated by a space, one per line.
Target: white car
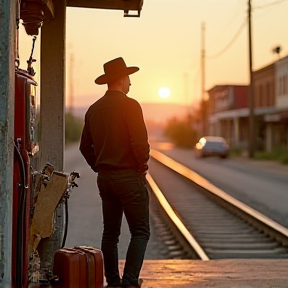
pixel 212 146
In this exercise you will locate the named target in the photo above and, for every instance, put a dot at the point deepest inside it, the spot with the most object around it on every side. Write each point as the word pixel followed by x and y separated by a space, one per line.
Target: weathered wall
pixel 7 75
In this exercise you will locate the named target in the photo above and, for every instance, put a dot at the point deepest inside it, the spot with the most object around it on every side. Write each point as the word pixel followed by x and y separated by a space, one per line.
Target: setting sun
pixel 164 92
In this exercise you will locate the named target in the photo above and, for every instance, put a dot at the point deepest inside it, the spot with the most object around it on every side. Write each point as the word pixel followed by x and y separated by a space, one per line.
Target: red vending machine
pixel 25 127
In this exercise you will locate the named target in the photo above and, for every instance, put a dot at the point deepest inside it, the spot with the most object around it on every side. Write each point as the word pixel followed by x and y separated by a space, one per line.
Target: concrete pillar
pixel 212 128
pixel 52 107
pixel 229 132
pixel 52 104
pixel 236 131
pixel 218 127
pixel 268 140
pixel 7 77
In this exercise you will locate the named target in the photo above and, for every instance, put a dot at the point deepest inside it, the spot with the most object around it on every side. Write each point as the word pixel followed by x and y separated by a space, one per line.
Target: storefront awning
pixel 245 112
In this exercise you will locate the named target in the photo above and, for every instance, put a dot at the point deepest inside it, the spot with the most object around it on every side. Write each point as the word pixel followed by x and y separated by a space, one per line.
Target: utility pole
pixel 71 85
pixel 185 75
pixel 251 89
pixel 203 77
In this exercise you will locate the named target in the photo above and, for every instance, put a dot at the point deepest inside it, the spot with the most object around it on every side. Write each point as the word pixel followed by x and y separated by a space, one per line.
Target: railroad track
pixel 207 222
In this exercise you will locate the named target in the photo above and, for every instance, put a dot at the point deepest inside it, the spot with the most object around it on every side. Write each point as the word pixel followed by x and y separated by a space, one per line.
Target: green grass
pixel 236 151
pixel 279 154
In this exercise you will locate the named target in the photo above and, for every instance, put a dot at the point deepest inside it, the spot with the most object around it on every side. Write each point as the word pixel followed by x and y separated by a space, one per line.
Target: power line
pixel 269 5
pixel 228 24
pixel 241 27
pixel 230 43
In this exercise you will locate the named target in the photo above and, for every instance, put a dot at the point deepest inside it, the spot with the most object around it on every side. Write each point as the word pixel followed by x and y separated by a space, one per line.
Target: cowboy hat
pixel 115 69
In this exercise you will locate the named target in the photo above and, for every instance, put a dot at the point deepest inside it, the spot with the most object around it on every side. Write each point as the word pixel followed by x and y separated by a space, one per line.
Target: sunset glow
pixel 164 92
pixel 162 53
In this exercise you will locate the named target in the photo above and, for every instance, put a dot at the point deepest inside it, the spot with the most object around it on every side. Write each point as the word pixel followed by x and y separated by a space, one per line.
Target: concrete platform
pixel 241 273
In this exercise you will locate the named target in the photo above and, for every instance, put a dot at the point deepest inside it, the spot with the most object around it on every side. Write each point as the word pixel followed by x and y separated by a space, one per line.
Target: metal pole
pixel 251 89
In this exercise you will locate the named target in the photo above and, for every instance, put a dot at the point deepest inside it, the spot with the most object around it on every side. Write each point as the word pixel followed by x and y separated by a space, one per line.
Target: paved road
pixel 260 184
pixel 85 214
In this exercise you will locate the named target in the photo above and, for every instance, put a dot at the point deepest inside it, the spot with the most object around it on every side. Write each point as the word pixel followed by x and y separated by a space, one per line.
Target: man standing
pixel 115 144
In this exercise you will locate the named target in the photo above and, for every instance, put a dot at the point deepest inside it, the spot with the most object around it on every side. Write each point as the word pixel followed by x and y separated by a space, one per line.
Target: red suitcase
pixel 70 265
pixel 95 269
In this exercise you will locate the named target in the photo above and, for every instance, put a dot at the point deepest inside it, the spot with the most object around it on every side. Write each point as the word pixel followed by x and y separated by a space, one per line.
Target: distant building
pixel 282 83
pixel 264 104
pixel 271 105
pixel 229 109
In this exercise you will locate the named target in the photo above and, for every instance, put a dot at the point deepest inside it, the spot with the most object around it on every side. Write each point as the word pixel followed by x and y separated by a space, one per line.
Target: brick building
pixel 228 113
pixel 229 109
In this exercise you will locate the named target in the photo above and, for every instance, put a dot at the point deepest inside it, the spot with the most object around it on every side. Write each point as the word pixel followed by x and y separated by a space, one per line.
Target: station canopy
pixel 125 5
pixel 35 12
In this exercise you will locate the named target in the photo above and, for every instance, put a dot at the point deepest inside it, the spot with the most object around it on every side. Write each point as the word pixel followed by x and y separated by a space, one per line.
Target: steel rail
pixel 175 219
pixel 208 186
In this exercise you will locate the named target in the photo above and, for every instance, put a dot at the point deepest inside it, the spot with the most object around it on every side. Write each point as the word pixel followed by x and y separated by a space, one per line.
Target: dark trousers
pixel 124 191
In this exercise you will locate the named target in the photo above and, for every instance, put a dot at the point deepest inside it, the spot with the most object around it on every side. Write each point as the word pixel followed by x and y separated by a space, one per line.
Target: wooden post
pixel 251 88
pixel 203 91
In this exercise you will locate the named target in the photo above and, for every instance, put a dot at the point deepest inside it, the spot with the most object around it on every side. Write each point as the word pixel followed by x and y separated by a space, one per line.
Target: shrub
pixel 180 133
pixel 73 128
pixel 236 151
pixel 279 154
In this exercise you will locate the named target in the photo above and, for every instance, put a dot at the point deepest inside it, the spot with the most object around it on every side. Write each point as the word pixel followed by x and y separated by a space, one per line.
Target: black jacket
pixel 114 135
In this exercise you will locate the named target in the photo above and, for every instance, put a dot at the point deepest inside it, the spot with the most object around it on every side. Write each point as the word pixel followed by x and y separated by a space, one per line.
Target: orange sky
pixel 165 43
